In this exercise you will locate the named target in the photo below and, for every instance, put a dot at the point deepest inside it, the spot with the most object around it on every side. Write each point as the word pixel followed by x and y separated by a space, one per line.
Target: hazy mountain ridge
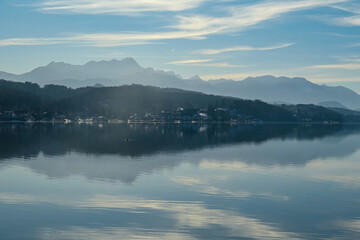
pixel 290 90
pixel 8 76
pixel 128 71
pixel 332 104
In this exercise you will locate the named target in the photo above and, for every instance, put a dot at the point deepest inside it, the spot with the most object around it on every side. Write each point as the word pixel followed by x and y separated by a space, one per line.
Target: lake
pixel 179 181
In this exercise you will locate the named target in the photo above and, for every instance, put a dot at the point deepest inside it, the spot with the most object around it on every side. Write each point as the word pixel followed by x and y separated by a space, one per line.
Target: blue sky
pixel 316 39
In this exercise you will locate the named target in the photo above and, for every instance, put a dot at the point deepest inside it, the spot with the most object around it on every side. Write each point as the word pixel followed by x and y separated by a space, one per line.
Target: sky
pixel 316 39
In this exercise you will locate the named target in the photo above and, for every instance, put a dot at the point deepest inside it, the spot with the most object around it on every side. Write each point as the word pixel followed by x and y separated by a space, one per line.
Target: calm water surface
pixel 179 182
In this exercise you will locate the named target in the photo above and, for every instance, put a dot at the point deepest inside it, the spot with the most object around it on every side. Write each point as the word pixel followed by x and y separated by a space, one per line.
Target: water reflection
pixel 25 140
pixel 124 152
pixel 179 182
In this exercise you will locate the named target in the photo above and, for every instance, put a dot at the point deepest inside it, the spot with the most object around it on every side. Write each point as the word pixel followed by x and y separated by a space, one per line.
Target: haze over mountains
pixel 128 71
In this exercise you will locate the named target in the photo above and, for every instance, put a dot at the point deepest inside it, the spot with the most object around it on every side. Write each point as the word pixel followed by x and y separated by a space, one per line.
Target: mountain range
pixel 277 90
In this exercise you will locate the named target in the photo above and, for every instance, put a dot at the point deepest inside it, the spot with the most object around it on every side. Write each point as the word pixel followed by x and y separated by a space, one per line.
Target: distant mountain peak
pixel 56 64
pixel 128 60
pixel 270 79
pixel 265 77
pixel 195 77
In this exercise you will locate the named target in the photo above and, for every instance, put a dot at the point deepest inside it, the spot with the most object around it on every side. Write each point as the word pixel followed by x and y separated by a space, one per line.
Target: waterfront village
pixel 178 116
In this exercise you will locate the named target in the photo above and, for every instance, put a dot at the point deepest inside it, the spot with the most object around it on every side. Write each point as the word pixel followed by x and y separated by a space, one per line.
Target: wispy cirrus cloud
pixel 351 7
pixel 232 76
pixel 203 63
pixel 104 39
pixel 243 48
pixel 242 17
pixel 83 40
pixel 347 64
pixel 31 41
pixel 123 7
pixel 350 21
pixel 196 27
pixel 190 61
pixel 223 64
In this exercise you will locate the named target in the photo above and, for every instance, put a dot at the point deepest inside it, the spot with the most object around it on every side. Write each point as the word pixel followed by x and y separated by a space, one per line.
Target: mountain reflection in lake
pixel 178 181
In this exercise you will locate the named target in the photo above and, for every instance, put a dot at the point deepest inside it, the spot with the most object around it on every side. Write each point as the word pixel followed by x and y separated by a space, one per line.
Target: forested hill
pixel 122 102
pixel 48 92
pixel 127 100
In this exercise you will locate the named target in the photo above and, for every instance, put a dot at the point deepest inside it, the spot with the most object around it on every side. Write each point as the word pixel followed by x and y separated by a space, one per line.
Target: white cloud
pixel 13 198
pixel 234 76
pixel 243 48
pixel 31 41
pixel 224 64
pixel 349 21
pixel 350 7
pixel 335 81
pixel 104 39
pixel 242 17
pixel 190 61
pixel 122 7
pixel 203 63
pixel 195 27
pixel 346 66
